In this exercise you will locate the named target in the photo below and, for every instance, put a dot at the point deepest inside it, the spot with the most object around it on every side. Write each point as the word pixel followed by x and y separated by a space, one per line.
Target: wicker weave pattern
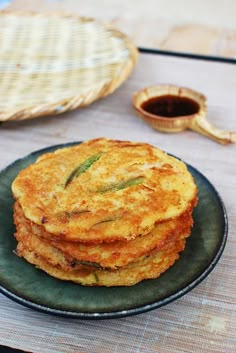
pixel 51 63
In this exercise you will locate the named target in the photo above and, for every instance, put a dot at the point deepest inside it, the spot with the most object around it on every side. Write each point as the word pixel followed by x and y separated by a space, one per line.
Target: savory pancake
pixel 104 255
pixel 149 267
pixel 104 190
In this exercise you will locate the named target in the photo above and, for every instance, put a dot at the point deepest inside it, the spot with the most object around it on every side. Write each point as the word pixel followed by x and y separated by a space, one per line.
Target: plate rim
pixel 138 309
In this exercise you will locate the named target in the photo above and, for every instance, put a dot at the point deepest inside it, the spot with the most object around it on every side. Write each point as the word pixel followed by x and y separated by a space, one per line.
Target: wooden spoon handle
pixel 201 125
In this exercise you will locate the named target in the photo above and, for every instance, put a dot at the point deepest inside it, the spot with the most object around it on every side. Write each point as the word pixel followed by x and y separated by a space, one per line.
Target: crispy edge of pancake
pixel 40 229
pixel 150 267
pixel 40 247
pixel 120 253
pixel 116 229
pixel 56 258
pixel 110 256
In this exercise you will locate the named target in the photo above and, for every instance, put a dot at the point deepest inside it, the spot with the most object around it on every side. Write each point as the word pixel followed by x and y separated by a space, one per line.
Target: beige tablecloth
pixel 204 320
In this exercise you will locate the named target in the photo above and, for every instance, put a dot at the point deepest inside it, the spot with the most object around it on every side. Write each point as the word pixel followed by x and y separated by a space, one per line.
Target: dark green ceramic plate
pixel 31 287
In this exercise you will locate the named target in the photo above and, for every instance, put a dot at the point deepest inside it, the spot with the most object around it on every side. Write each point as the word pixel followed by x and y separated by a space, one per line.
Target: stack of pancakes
pixel 104 212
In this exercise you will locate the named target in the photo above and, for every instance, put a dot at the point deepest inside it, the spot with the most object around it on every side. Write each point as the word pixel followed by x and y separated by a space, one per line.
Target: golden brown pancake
pixel 148 267
pixel 105 255
pixel 104 213
pixel 104 190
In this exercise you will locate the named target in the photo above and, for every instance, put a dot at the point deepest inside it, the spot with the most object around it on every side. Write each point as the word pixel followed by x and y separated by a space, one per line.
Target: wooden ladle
pixel 169 108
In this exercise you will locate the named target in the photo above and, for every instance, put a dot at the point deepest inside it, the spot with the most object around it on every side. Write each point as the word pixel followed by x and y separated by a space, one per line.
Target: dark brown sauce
pixel 171 106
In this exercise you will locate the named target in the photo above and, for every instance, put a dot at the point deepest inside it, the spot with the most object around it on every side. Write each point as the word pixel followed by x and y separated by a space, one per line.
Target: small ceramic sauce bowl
pixel 169 108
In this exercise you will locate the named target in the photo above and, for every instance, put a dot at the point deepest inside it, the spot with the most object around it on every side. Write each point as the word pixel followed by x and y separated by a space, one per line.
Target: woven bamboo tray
pixel 53 63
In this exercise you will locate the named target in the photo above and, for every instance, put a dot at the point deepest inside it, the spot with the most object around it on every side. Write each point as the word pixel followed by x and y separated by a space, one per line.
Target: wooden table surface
pixel 204 320
pixel 197 27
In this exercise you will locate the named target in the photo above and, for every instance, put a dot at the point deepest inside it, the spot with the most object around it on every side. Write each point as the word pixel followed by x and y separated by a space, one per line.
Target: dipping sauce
pixel 170 106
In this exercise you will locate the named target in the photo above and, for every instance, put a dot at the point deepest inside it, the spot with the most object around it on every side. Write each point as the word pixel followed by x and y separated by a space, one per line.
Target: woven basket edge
pixel 74 102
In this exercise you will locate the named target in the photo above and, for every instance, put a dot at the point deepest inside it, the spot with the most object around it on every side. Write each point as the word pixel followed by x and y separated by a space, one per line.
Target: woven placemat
pixel 53 63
